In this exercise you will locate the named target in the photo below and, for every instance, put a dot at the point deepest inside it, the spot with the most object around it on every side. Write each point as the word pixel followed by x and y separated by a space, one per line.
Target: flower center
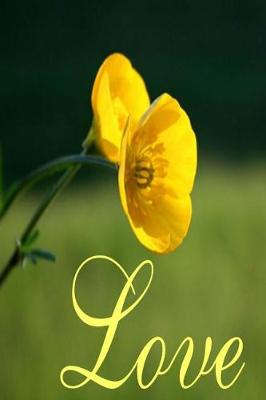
pixel 143 172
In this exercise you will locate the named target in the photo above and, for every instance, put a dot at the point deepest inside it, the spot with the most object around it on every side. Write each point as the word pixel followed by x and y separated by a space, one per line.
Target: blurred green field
pixel 213 285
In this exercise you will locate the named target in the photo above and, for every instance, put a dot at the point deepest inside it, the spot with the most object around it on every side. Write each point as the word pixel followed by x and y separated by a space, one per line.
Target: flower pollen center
pixel 143 172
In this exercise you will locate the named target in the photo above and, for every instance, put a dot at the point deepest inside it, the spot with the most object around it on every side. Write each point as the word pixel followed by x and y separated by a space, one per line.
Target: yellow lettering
pixel 111 323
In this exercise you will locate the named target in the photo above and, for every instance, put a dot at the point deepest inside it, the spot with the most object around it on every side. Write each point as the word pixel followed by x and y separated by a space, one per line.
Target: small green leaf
pixel 36 254
pixel 31 239
pixel 43 254
pixel 90 139
pixel 29 258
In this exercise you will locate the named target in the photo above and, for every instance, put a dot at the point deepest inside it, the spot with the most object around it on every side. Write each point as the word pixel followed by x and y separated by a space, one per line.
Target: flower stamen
pixel 143 172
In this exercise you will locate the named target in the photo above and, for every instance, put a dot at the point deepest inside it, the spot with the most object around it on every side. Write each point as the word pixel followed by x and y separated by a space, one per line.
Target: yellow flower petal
pixel 156 175
pixel 118 92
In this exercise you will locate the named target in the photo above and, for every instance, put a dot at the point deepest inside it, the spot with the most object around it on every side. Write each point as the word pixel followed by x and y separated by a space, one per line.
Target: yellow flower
pixel 118 93
pixel 156 174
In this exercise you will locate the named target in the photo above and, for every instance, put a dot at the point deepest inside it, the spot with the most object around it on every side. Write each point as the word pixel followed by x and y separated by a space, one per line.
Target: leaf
pixel 91 137
pixel 31 239
pixel 36 254
pixel 43 254
pixel 29 257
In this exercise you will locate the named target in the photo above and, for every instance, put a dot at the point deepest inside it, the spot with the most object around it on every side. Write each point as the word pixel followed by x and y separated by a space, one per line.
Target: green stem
pixel 12 262
pixel 51 195
pixel 46 170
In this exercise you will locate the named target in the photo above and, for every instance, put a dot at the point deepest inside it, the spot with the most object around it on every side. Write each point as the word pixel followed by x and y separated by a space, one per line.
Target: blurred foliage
pixel 210 55
pixel 214 284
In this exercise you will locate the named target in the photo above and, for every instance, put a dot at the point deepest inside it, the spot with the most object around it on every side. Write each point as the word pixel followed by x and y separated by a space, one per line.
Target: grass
pixel 213 285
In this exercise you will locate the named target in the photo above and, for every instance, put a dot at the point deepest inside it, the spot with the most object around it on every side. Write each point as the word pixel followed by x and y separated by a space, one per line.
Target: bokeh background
pixel 211 56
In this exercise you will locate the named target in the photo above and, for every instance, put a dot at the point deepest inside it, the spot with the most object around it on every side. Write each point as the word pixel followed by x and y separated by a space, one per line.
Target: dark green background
pixel 210 55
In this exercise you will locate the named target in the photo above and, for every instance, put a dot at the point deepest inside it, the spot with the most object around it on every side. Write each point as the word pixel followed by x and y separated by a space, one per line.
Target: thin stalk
pixel 46 170
pixel 65 179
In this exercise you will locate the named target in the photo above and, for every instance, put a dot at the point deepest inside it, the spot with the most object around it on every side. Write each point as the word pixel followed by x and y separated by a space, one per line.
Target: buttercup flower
pixel 156 174
pixel 118 93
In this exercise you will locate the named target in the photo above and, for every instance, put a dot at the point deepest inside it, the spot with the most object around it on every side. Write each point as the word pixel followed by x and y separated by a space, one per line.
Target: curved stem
pixel 46 170
pixel 56 189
